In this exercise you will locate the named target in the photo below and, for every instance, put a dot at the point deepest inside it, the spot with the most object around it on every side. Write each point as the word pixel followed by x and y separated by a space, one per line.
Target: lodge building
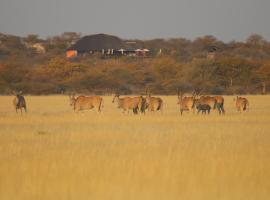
pixel 106 45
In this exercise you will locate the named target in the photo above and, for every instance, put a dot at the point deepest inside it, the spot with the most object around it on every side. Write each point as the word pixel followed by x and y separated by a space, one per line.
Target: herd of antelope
pixel 139 104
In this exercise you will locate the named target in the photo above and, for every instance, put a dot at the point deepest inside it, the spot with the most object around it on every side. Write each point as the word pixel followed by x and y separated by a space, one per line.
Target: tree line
pixel 206 64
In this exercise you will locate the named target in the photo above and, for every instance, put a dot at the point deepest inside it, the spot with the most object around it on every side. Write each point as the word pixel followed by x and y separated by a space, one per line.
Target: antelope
pixel 203 108
pixel 153 103
pixel 86 102
pixel 220 104
pixel 213 102
pixel 128 103
pixel 186 103
pixel 144 105
pixel 19 102
pixel 242 104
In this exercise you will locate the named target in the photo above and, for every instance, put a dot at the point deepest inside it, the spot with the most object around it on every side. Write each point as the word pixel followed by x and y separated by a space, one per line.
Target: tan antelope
pixel 241 104
pixel 153 103
pixel 128 103
pixel 86 102
pixel 19 102
pixel 186 103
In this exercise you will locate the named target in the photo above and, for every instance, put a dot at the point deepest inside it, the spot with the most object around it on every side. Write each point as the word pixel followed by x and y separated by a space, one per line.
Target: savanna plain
pixel 53 152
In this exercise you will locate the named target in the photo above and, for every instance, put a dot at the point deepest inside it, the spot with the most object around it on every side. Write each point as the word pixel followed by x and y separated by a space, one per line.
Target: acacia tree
pixel 256 40
pixel 32 38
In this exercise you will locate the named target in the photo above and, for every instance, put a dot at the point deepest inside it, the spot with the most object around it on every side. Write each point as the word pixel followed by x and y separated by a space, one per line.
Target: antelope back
pixel 87 102
pixel 125 102
pixel 241 101
pixel 211 101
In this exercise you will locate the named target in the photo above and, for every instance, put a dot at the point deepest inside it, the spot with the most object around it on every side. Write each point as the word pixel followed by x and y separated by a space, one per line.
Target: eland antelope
pixel 86 102
pixel 241 104
pixel 128 103
pixel 19 102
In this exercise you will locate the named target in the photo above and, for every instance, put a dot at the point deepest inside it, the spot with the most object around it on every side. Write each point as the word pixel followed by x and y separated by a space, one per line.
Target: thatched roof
pixel 97 43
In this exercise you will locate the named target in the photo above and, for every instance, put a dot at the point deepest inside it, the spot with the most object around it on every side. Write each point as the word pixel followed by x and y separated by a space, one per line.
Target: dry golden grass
pixel 54 153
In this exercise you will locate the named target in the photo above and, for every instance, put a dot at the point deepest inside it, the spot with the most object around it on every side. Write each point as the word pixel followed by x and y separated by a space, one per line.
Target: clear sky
pixel 138 19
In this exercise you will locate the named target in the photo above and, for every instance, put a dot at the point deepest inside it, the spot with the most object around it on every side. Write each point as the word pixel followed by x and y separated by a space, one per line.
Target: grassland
pixel 53 153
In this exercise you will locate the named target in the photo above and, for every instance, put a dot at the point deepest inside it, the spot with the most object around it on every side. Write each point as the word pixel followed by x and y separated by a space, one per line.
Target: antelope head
pixel 116 96
pixel 17 93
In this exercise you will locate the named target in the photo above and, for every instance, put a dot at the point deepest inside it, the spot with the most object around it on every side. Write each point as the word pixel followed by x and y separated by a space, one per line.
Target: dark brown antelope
pixel 241 104
pixel 186 103
pixel 153 103
pixel 203 108
pixel 128 103
pixel 19 102
pixel 86 102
